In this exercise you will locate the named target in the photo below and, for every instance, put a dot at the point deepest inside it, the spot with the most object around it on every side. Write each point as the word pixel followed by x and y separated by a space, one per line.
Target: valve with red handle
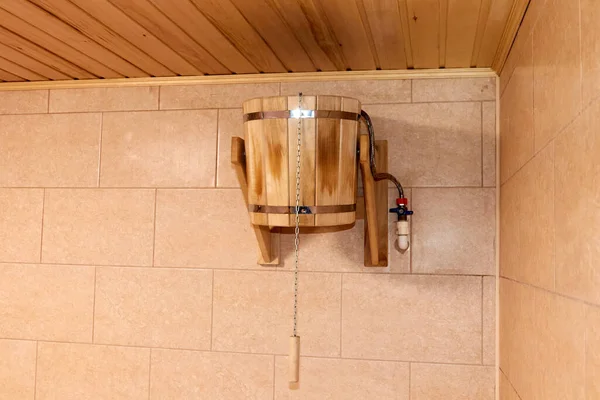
pixel 402 225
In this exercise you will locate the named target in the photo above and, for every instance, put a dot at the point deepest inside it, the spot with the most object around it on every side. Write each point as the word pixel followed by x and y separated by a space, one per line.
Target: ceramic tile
pixel 367 91
pixel 489 143
pixel 185 218
pixel 489 320
pixel 453 89
pixel 17 369
pixel 24 102
pixel 230 125
pixel 213 96
pixel 527 225
pixel 542 342
pixel 516 117
pixel 81 371
pixel 559 335
pixel 104 99
pixel 576 212
pixel 20 224
pixel 557 74
pixel 46 302
pixel 153 307
pixel 444 381
pixel 253 312
pixel 517 341
pixel 100 226
pixel 590 50
pixel 433 318
pixel 507 392
pixel 431 144
pixel 453 231
pixel 159 149
pixel 60 150
pixel 592 353
pixel 177 374
pixel 325 378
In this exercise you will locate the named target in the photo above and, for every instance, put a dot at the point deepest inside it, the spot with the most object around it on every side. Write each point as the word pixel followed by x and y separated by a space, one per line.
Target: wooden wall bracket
pixel 375 204
pixel 268 240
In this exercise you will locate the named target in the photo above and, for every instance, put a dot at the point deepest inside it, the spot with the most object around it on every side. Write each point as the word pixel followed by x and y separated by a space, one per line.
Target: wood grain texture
pixel 67 35
pixel 114 19
pixel 462 22
pixel 384 19
pixel 307 158
pixel 42 55
pixel 268 242
pixel 228 19
pixel 144 13
pixel 115 39
pixel 18 70
pixel 278 36
pixel 86 24
pixel 198 27
pixel 350 31
pixel 328 160
pixel 424 28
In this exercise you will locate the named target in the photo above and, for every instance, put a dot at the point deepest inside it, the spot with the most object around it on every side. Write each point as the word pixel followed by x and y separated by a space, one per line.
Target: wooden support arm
pixel 375 204
pixel 268 242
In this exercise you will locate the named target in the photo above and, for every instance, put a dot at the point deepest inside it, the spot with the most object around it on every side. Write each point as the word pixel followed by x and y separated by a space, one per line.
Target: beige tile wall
pixel 549 205
pixel 128 268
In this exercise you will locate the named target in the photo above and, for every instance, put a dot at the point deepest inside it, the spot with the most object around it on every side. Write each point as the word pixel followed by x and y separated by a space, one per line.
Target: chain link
pixel 297 229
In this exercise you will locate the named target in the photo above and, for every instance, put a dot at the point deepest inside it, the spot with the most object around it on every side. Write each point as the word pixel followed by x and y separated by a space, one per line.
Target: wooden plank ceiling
pixel 86 39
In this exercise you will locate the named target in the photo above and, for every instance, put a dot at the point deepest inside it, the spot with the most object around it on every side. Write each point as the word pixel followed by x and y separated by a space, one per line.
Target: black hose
pixel 383 175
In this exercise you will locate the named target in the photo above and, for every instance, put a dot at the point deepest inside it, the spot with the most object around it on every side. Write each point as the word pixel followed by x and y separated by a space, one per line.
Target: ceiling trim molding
pixel 517 13
pixel 254 78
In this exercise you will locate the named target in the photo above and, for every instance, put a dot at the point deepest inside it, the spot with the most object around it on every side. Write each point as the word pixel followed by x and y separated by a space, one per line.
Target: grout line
pixel 409 380
pixel 412 88
pixel 35 373
pixel 242 352
pixel 564 296
pixel 212 310
pixel 389 103
pixel 560 132
pixel 154 229
pixel 42 231
pixel 100 148
pixel 48 103
pixel 585 355
pixel 218 136
pixel 554 213
pixel 159 92
pixel 482 139
pixel 482 327
pixel 341 313
pixel 274 370
pixel 510 382
pixel 262 269
pixel 94 304
pixel 149 372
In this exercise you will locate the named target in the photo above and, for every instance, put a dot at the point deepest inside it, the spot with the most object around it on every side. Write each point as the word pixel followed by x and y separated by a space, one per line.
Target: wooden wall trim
pixel 254 78
pixel 515 18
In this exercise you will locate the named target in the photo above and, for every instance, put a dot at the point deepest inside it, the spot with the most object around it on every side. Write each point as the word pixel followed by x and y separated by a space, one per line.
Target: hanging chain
pixel 297 229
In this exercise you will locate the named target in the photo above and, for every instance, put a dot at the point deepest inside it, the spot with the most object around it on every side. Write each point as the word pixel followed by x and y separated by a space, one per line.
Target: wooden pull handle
pixel 294 359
